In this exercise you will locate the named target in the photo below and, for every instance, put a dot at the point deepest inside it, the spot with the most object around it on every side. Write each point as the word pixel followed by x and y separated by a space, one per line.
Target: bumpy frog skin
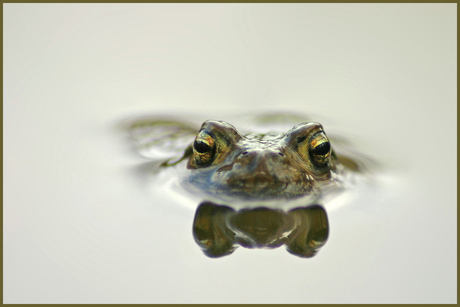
pixel 262 166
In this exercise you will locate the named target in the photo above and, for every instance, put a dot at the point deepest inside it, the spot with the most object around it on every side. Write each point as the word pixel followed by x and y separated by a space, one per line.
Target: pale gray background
pixel 76 225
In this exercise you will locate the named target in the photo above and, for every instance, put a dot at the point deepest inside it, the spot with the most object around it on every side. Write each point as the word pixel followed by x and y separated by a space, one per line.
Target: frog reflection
pixel 220 229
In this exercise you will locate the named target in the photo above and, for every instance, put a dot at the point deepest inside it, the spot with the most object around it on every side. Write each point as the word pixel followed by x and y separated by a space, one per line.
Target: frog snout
pixel 255 158
pixel 260 169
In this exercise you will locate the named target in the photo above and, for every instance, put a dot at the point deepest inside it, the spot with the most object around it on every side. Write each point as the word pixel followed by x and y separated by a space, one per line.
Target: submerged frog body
pixel 225 163
pixel 262 165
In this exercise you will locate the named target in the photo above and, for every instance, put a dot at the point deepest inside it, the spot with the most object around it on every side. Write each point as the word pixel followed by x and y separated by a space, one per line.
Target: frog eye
pixel 204 148
pixel 319 148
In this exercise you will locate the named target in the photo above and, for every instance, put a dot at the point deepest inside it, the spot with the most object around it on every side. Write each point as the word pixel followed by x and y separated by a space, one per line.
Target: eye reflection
pixel 219 229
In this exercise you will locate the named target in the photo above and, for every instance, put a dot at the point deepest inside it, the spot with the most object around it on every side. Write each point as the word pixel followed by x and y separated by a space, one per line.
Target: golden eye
pixel 204 149
pixel 319 149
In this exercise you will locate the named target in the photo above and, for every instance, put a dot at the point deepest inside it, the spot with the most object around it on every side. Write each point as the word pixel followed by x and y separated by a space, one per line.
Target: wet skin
pixel 262 166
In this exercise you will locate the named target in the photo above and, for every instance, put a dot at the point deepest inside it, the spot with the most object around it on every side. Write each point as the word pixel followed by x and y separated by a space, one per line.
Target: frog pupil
pixel 202 147
pixel 322 149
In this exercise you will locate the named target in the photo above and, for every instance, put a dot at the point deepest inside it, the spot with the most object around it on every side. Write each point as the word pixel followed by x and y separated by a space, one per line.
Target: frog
pixel 269 165
pixel 257 189
pixel 223 162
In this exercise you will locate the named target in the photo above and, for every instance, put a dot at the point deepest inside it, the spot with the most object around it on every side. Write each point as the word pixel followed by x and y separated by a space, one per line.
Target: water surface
pixel 83 222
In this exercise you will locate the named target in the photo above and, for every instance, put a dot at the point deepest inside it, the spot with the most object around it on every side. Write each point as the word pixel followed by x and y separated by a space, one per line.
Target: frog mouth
pixel 257 181
pixel 266 185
